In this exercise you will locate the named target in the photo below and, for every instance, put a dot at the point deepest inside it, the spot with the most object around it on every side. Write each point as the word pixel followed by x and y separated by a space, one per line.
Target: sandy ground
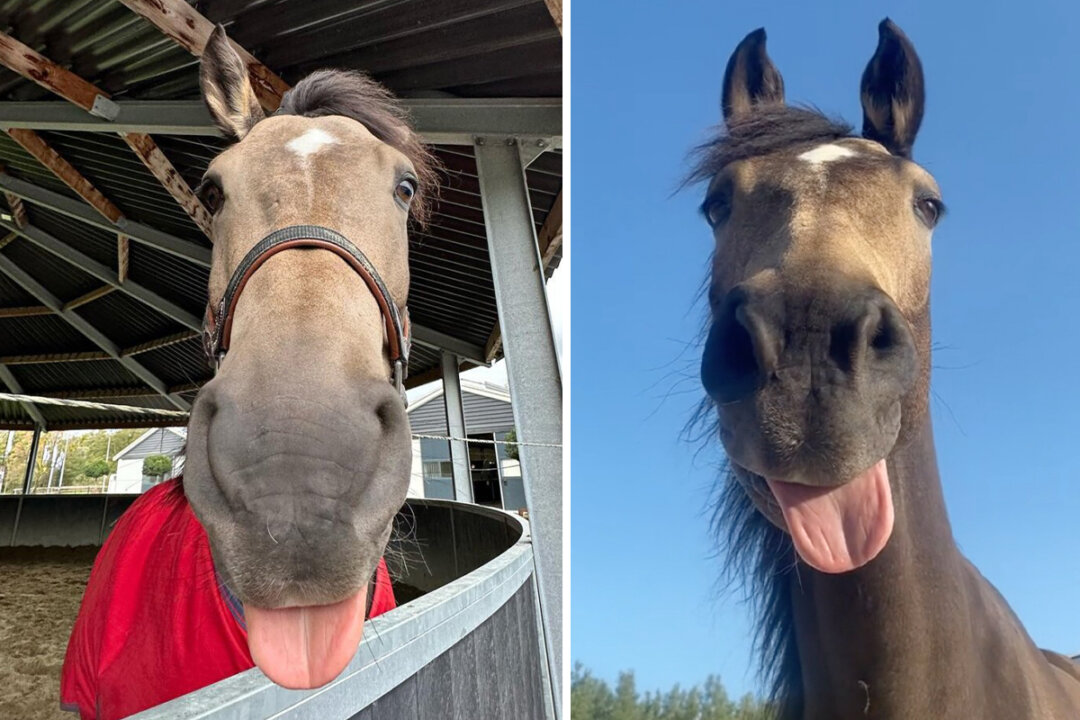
pixel 40 591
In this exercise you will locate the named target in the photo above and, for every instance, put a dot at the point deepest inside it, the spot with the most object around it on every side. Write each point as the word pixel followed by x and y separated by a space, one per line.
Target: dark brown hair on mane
pixel 355 95
pixel 767 129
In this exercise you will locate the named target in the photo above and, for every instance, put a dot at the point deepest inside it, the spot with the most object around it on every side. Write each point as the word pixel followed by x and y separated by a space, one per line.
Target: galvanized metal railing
pixel 399 645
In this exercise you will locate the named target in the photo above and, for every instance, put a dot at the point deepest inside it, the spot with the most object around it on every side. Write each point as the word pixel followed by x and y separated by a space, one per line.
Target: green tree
pixel 512 449
pixel 590 698
pixel 14 450
pixel 593 699
pixel 157 466
pixel 81 448
pixel 96 469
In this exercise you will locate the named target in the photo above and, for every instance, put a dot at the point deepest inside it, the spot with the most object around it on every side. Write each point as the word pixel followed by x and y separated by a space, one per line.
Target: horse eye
pixel 212 196
pixel 405 191
pixel 929 210
pixel 716 209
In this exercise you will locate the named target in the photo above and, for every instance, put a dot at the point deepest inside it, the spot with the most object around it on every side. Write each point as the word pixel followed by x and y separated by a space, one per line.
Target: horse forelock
pixel 355 95
pixel 765 130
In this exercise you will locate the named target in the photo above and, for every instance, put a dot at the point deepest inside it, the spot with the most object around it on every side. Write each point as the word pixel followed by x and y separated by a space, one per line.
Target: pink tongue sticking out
pixel 305 647
pixel 839 529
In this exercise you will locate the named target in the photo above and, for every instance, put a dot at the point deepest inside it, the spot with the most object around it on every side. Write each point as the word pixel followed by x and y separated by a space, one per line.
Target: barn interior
pixel 105 249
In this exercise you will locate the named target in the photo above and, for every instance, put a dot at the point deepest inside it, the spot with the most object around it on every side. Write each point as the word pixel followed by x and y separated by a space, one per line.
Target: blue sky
pixel 1000 135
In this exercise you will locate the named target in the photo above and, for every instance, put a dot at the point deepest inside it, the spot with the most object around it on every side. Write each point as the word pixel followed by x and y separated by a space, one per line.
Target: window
pixel 438 469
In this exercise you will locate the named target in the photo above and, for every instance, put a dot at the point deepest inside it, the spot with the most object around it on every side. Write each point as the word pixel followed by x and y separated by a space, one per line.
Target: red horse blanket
pixel 156 622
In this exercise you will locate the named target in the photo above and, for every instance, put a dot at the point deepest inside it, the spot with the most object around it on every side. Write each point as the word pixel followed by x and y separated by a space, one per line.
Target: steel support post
pixel 30 463
pixel 455 425
pixel 533 371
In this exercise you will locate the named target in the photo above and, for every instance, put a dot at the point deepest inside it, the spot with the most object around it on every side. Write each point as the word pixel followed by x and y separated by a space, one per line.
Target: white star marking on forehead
pixel 826 153
pixel 311 142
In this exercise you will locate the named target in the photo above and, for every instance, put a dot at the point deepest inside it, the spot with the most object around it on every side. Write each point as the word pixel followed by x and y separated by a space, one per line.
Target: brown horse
pixel 299 450
pixel 817 363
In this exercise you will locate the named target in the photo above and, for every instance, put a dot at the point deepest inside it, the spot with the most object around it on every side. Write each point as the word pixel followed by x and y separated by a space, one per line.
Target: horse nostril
pixel 740 351
pixel 738 346
pixel 885 336
pixel 877 338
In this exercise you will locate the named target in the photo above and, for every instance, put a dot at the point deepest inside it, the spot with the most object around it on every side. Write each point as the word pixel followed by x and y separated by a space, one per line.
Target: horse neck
pixel 917 632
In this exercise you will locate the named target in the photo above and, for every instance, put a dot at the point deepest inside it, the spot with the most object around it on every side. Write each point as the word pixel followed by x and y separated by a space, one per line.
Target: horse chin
pixel 757 489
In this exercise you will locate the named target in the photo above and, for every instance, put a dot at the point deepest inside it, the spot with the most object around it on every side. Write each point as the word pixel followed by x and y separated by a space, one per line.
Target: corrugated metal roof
pixel 474 48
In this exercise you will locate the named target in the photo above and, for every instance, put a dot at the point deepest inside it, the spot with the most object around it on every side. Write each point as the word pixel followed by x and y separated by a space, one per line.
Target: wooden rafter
pixel 549 241
pixel 8 239
pixel 160 343
pixel 186 387
pixel 99 393
pixel 28 311
pixel 45 358
pixel 190 30
pixel 61 168
pixel 123 248
pixel 18 209
pixel 155 160
pixel 33 66
pixel 89 297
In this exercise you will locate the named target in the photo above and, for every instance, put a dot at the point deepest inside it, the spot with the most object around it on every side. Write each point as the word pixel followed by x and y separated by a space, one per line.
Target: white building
pixel 129 476
pixel 496 477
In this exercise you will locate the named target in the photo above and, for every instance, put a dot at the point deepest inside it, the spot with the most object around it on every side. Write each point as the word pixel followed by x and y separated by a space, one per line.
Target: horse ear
pixel 751 79
pixel 893 94
pixel 226 87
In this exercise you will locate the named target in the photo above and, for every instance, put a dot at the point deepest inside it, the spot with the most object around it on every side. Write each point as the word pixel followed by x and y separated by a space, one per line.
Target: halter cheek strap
pixel 217 326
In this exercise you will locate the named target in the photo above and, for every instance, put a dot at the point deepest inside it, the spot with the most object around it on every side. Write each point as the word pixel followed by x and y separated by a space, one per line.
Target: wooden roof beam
pixel 21 312
pixel 190 30
pixel 46 358
pixel 32 65
pixel 160 342
pixel 98 393
pixel 89 297
pixel 18 209
pixel 55 163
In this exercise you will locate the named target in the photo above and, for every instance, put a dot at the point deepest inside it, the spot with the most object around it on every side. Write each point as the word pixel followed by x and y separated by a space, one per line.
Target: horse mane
pixel 355 95
pixel 768 129
pixel 758 558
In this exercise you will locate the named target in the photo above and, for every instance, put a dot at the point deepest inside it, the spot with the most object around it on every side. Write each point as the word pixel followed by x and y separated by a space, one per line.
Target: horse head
pixel 299 450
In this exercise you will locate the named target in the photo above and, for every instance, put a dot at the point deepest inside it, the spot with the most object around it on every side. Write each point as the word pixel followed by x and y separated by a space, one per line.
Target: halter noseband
pixel 217 326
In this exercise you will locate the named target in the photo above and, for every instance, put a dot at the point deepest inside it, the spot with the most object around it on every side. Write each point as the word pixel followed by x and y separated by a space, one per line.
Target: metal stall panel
pixel 533 371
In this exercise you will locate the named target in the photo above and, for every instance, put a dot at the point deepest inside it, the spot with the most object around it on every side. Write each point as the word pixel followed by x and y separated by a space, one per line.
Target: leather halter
pixel 217 326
